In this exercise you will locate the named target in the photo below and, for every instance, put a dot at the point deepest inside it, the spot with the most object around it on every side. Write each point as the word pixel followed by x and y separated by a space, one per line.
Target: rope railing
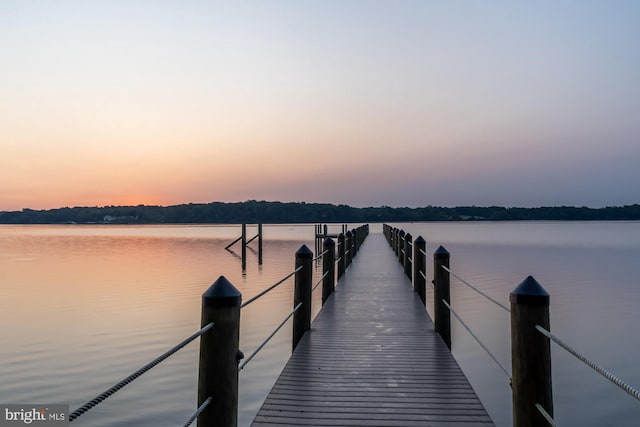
pixel 608 375
pixel 499 304
pixel 321 255
pixel 270 288
pixel 546 415
pixel 507 373
pixel 529 305
pixel 115 388
pixel 229 311
pixel 320 281
pixel 261 346
pixel 430 282
pixel 196 414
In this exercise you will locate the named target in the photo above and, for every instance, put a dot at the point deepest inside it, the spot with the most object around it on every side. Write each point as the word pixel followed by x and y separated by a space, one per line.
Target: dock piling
pixel 341 255
pixel 420 268
pixel 220 354
pixel 348 249
pixel 244 247
pixel 259 244
pixel 408 251
pixel 328 268
pixel 530 354
pixel 354 243
pixel 302 294
pixel 441 314
pixel 245 242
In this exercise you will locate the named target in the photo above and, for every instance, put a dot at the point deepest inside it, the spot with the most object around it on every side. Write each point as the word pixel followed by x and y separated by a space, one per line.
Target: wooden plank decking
pixel 372 359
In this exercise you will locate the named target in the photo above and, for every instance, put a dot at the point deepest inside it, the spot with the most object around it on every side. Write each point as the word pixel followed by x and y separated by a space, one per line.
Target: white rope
pixel 608 375
pixel 270 288
pixel 426 280
pixel 502 306
pixel 117 387
pixel 320 256
pixel 507 373
pixel 320 281
pixel 546 415
pixel 198 412
pixel 243 364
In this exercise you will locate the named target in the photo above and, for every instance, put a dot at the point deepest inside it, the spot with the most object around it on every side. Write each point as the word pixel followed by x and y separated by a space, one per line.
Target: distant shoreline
pixel 300 212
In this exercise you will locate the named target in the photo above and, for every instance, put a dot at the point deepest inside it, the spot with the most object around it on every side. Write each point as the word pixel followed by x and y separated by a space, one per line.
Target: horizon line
pixel 324 203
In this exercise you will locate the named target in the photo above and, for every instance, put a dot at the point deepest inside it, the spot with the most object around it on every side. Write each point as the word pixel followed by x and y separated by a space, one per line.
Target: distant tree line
pixel 278 212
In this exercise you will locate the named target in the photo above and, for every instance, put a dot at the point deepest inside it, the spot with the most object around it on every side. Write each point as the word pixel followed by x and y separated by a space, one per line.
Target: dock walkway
pixel 372 358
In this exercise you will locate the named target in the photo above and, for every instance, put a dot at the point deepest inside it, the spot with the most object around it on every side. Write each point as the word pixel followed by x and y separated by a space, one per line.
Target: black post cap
pixel 304 252
pixel 420 240
pixel 529 292
pixel 441 252
pixel 329 242
pixel 221 294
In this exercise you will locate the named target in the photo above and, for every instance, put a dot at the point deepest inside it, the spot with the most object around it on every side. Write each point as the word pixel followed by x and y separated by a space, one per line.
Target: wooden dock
pixel 372 358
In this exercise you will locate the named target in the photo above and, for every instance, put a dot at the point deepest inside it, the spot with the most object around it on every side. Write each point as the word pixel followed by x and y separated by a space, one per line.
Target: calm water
pixel 81 307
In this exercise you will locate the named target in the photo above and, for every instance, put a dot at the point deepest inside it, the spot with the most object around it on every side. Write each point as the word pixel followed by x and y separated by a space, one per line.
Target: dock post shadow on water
pixel 244 245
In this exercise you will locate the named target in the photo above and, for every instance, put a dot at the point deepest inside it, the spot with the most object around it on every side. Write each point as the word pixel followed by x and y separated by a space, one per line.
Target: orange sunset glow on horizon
pixel 366 104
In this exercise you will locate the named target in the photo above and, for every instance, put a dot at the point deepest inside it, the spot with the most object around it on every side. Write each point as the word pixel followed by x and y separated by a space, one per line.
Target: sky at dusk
pixel 367 103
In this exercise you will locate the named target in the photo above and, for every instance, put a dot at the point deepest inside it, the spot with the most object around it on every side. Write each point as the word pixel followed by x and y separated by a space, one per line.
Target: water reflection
pixel 590 271
pixel 83 306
